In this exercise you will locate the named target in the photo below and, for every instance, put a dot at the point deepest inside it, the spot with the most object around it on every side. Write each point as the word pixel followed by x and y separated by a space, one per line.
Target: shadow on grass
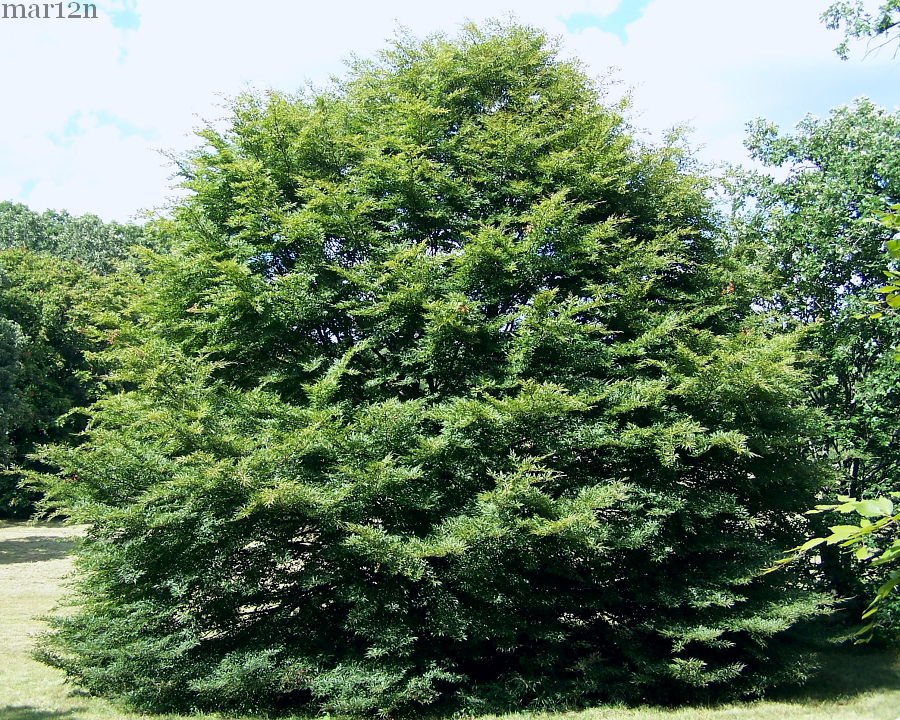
pixel 845 674
pixel 25 712
pixel 34 549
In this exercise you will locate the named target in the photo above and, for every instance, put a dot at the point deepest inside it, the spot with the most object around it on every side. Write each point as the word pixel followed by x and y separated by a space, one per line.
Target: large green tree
pixel 810 229
pixel 447 397
pixel 872 537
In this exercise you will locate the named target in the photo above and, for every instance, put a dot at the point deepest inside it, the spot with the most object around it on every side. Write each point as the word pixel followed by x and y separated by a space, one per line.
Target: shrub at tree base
pixel 448 399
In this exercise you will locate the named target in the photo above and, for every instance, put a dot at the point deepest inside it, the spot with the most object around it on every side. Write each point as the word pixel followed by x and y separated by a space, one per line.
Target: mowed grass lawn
pixel 34 560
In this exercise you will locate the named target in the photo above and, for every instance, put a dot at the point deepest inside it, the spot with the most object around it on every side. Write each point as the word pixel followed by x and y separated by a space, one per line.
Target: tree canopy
pixel 856 21
pixel 447 397
pixel 820 259
pixel 85 239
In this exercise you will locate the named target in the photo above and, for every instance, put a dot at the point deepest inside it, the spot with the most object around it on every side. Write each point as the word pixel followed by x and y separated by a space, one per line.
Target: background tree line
pixel 61 295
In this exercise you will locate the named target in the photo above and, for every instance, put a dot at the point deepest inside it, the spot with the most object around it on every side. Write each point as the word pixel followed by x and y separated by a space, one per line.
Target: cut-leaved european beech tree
pixel 446 398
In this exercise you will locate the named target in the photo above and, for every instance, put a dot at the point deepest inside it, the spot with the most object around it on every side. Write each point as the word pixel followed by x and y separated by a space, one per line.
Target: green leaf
pixel 879 507
pixel 840 533
pixel 809 544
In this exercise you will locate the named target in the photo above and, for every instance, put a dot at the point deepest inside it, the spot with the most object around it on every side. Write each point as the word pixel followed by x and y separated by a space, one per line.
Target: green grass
pixel 34 561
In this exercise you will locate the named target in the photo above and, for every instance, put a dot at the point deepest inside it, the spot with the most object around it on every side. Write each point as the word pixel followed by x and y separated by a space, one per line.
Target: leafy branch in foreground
pixel 875 539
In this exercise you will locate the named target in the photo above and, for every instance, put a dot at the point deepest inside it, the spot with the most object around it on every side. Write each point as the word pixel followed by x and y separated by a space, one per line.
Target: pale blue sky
pixel 615 22
pixel 90 104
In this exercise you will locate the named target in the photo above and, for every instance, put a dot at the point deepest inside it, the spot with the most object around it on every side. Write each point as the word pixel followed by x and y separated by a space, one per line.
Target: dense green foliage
pixel 85 239
pixel 890 219
pixel 9 396
pixel 873 538
pixel 54 311
pixel 819 259
pixel 53 314
pixel 447 397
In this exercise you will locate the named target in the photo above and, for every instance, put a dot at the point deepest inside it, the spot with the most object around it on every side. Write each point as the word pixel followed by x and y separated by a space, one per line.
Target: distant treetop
pixel 85 239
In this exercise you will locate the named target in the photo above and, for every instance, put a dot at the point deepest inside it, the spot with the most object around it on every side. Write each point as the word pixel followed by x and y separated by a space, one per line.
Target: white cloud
pixel 715 64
